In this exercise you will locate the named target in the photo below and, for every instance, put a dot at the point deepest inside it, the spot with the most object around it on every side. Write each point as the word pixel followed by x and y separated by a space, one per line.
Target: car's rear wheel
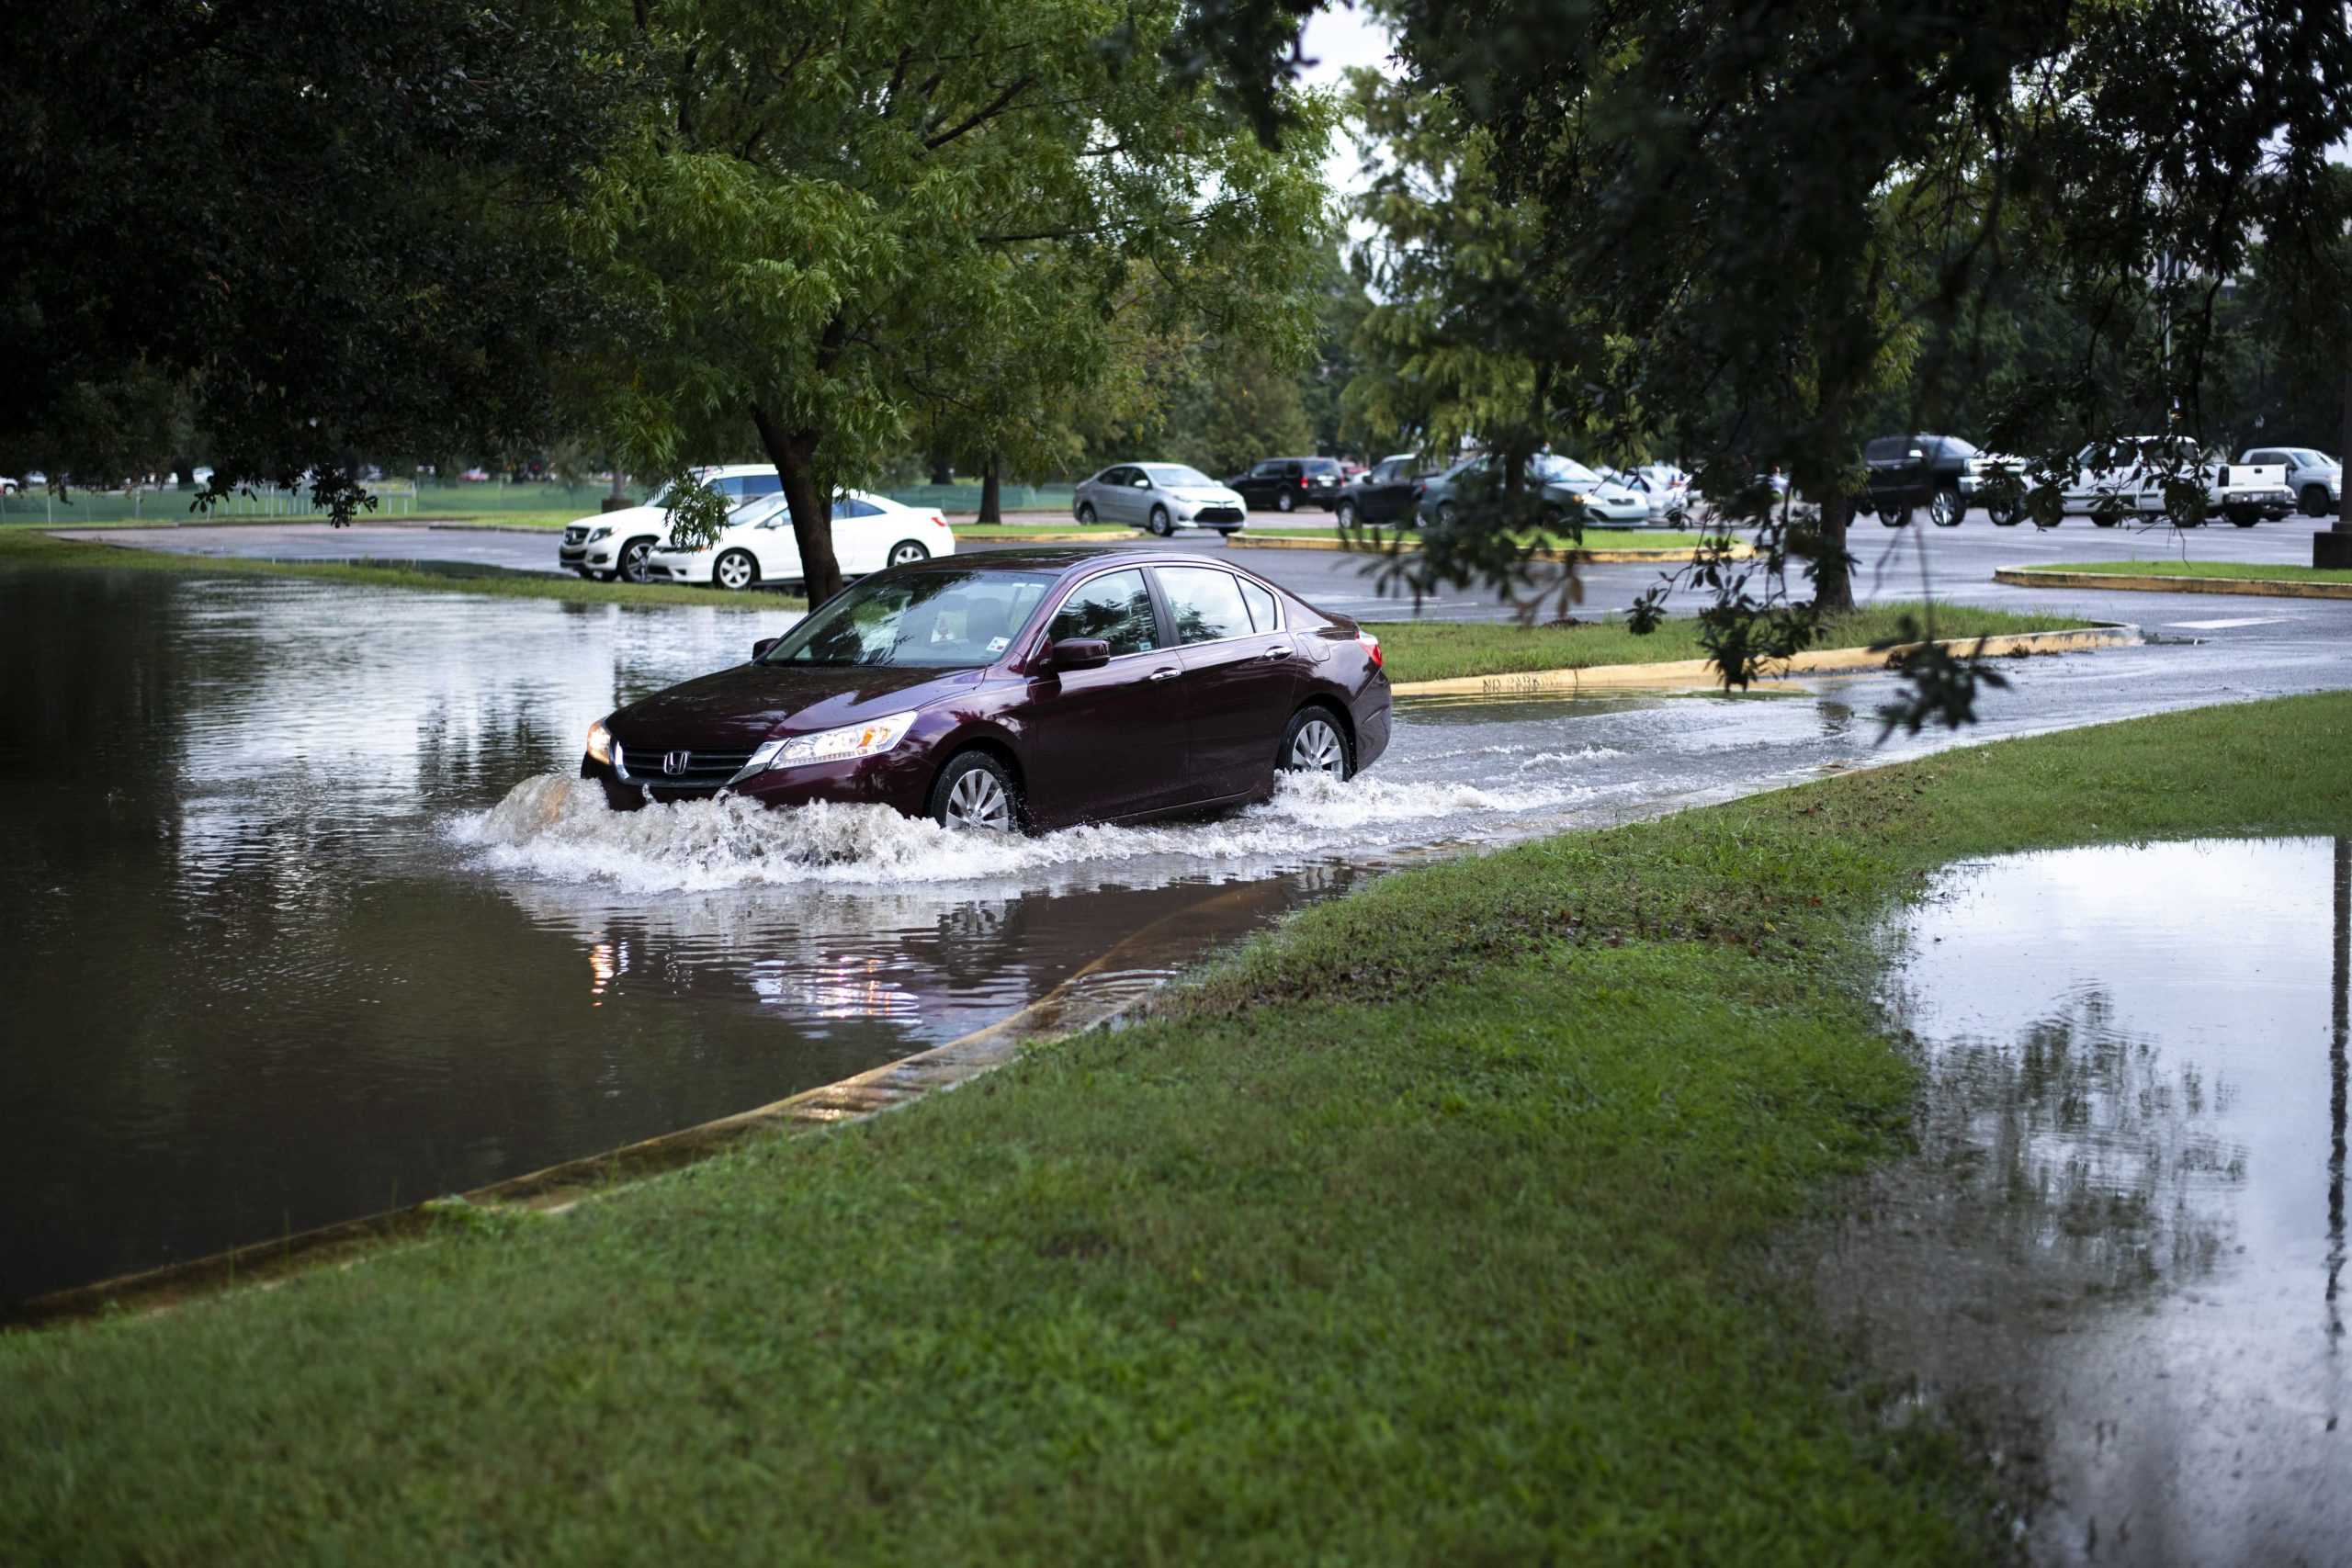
pixel 906 552
pixel 1284 500
pixel 2003 513
pixel 1895 516
pixel 1347 514
pixel 1445 514
pixel 1086 514
pixel 1161 524
pixel 1314 744
pixel 2105 519
pixel 735 571
pixel 977 793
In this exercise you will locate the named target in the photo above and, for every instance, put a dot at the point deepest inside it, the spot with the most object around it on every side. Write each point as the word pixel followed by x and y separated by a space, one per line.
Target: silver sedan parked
pixel 1162 497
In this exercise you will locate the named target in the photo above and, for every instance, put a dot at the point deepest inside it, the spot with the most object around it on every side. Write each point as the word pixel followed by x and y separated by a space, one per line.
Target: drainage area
pixel 2118 1258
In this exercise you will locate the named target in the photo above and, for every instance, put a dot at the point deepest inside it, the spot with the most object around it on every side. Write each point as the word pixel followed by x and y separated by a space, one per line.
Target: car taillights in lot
pixel 1371 648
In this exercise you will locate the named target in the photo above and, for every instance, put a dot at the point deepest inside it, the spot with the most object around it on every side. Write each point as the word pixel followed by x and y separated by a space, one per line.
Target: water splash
pixel 559 828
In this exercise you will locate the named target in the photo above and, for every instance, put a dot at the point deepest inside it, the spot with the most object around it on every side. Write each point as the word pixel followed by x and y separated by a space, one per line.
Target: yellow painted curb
pixel 1017 537
pixel 2259 587
pixel 1689 672
pixel 1614 556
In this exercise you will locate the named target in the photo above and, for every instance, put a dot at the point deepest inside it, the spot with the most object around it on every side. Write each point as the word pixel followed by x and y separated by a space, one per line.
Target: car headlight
pixel 852 740
pixel 596 534
pixel 600 743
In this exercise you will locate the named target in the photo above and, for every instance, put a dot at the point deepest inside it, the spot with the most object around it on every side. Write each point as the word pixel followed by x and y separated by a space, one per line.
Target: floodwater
pixel 307 919
pixel 2118 1257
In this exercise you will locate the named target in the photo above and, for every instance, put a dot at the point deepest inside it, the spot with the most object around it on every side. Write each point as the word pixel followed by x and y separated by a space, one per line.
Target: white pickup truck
pixel 2125 481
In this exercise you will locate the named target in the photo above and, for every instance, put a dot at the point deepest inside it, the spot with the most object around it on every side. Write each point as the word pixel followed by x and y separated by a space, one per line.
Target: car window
pixel 1887 449
pixel 1176 475
pixel 1954 447
pixel 1206 602
pixel 850 506
pixel 1115 608
pixel 1261 607
pixel 948 620
pixel 1266 471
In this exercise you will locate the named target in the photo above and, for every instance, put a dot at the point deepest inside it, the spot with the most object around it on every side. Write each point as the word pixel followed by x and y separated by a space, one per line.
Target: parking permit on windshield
pixel 999 644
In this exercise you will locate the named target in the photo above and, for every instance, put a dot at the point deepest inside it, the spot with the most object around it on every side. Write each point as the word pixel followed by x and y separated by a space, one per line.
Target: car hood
pixel 738 708
pixel 1206 492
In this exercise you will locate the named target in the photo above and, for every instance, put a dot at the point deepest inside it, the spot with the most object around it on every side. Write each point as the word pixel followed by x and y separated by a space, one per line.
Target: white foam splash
pixel 1584 754
pixel 558 827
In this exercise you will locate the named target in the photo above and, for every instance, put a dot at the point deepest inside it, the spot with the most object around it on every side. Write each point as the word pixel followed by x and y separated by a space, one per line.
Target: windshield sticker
pixel 999 644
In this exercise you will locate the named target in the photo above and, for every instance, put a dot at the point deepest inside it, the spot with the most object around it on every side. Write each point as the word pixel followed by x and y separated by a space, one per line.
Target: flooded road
pixel 2121 1252
pixel 306 919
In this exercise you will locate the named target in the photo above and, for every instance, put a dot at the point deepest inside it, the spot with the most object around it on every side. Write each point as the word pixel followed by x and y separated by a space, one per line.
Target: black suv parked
pixel 1385 494
pixel 1917 470
pixel 1285 484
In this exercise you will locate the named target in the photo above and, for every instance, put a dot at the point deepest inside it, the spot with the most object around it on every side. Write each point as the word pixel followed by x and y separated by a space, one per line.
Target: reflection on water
pixel 2120 1250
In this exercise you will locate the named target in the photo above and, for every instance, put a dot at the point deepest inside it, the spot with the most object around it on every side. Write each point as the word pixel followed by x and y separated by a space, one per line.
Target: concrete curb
pixel 1608 557
pixel 2258 587
pixel 1698 673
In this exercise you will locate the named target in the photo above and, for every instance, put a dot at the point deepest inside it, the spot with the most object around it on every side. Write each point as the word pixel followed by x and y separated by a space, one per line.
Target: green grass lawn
pixel 1592 539
pixel 23 547
pixel 1438 650
pixel 554 520
pixel 1450 1223
pixel 2210 569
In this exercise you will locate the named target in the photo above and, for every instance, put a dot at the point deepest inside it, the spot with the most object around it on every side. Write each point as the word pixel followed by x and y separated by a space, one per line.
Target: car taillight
pixel 1370 648
pixel 1302 482
pixel 938 520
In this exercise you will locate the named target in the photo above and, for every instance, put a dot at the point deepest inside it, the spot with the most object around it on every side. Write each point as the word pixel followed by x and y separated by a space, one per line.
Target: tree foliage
pixel 300 232
pixel 842 224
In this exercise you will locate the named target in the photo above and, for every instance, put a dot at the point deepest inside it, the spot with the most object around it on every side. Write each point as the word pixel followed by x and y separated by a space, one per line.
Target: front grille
pixel 1217 515
pixel 575 535
pixel 703 769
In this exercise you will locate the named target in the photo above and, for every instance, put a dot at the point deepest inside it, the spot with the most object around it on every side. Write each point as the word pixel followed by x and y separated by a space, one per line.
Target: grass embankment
pixel 2204 568
pixel 535 521
pixel 1439 650
pixel 20 549
pixel 1434 1227
pixel 1025 527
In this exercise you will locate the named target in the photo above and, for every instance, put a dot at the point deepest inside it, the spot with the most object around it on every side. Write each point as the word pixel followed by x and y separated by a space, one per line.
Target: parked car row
pixel 1018 691
pixel 757 545
pixel 2112 481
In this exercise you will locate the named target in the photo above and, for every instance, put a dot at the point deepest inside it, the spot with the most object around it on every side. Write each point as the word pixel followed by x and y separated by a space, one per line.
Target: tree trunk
pixel 991 492
pixel 942 471
pixel 1833 585
pixel 794 455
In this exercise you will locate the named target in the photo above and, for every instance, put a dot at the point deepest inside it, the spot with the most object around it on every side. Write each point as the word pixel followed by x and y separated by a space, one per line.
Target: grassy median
pixel 1373 535
pixel 1438 1226
pixel 1438 650
pixel 32 549
pixel 2218 569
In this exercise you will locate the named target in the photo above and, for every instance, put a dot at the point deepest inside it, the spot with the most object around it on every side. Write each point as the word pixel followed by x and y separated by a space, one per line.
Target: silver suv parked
pixel 2316 479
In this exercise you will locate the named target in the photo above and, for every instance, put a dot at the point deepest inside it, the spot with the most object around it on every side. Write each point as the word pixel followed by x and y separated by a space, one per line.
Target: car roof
pixel 1068 557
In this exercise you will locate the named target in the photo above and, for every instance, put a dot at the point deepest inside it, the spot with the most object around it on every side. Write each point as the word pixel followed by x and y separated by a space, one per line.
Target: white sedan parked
pixel 870 532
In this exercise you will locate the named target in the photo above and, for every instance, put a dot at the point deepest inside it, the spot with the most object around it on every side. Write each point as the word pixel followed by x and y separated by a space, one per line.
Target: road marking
pixel 2225 626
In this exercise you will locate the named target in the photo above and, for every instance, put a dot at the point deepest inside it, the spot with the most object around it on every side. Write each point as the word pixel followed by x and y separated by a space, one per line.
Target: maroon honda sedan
pixel 1020 691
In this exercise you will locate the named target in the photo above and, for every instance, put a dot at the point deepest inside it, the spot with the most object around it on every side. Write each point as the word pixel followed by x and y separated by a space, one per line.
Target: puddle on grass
pixel 2118 1258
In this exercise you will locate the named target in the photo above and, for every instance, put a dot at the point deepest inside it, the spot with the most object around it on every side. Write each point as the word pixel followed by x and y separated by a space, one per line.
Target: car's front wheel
pixel 2244 517
pixel 1945 509
pixel 2003 513
pixel 1314 744
pixel 1347 514
pixel 629 565
pixel 1086 514
pixel 906 552
pixel 977 793
pixel 735 571
pixel 1161 524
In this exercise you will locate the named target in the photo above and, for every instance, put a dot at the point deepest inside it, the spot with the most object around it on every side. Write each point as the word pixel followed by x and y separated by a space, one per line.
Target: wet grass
pixel 34 548
pixel 2206 569
pixel 1438 650
pixel 1436 1226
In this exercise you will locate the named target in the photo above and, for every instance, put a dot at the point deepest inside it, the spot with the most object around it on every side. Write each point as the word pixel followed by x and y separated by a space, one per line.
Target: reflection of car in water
pixel 1038 689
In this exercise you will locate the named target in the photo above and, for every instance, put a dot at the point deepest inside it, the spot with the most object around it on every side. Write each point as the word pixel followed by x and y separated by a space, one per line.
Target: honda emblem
pixel 673 763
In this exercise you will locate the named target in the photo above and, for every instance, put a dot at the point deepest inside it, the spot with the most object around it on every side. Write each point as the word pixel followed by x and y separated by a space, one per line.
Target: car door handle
pixel 1277 653
pixel 1165 674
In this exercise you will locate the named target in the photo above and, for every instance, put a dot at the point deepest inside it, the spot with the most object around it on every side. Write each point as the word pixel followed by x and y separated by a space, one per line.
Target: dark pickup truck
pixel 1908 471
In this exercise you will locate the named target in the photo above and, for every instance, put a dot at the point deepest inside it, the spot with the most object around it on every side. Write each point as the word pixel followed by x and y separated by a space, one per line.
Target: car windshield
pixel 1561 470
pixel 2306 458
pixel 935 620
pixel 1176 475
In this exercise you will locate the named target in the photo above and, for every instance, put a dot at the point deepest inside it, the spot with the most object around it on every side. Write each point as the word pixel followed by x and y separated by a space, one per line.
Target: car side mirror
pixel 1079 653
pixel 760 648
pixel 1143 484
